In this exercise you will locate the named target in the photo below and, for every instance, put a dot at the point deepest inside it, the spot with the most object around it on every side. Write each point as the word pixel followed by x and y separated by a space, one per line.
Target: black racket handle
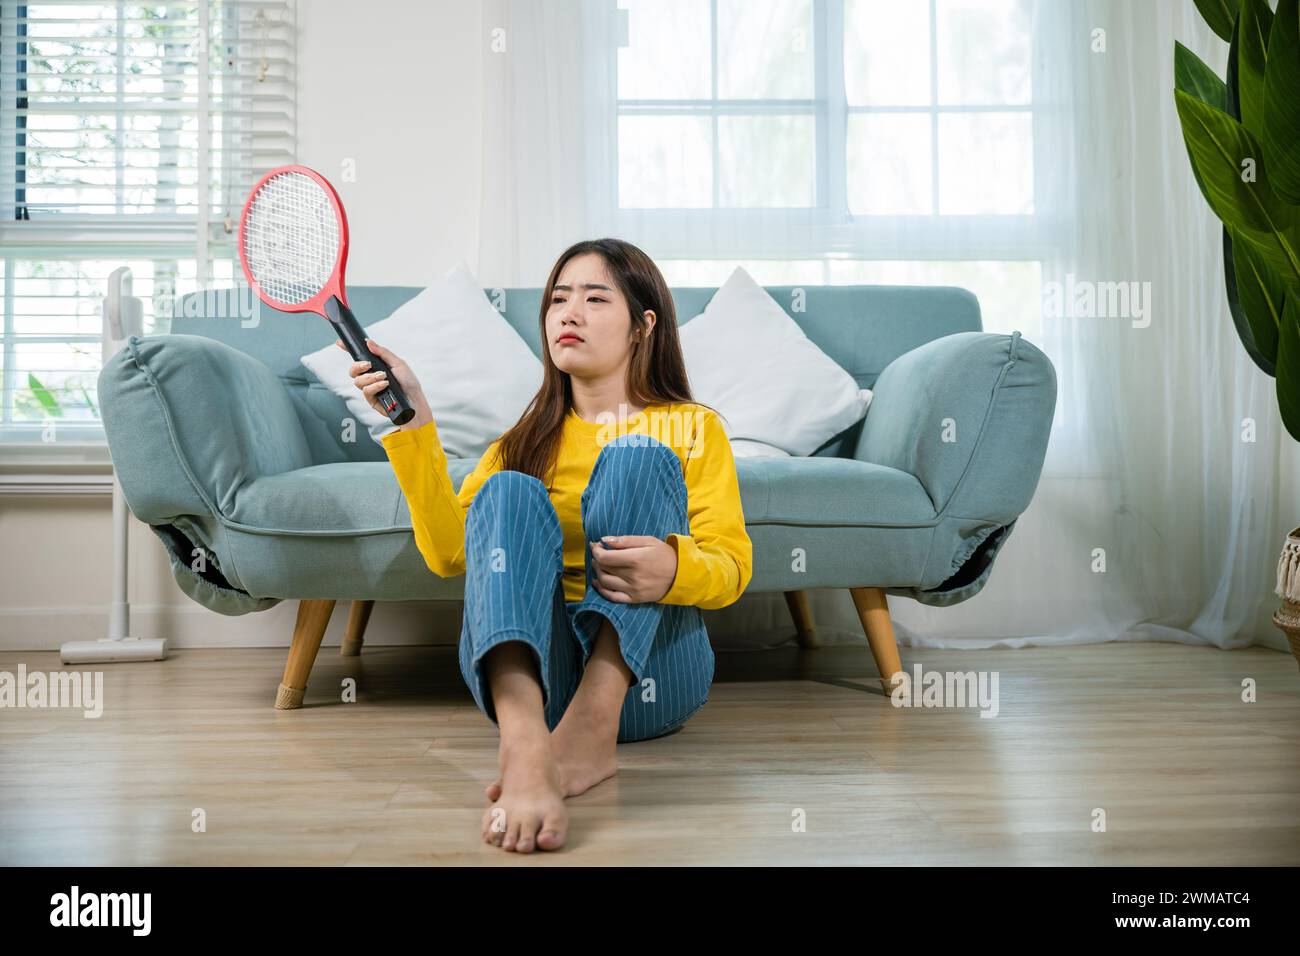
pixel 392 399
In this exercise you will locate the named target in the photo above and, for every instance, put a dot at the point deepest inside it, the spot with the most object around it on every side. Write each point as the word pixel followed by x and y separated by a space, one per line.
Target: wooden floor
pixel 1156 735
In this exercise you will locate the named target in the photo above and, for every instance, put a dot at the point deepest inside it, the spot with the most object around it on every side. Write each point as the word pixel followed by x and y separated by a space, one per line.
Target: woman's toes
pixel 527 837
pixel 517 829
pixel 493 790
pixel 551 836
pixel 500 824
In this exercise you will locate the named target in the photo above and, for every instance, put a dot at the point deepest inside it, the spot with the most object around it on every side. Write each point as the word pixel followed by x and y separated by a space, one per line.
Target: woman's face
pixel 588 324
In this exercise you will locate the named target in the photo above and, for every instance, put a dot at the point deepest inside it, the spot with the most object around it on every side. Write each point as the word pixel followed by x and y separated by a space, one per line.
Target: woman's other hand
pixel 634 568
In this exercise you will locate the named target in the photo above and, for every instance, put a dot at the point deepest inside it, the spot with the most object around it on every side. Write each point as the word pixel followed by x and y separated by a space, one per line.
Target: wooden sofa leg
pixel 358 617
pixel 308 630
pixel 801 612
pixel 873 611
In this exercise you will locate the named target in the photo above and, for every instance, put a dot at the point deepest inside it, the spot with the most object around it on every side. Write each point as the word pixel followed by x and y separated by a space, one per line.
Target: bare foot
pixel 584 749
pixel 530 812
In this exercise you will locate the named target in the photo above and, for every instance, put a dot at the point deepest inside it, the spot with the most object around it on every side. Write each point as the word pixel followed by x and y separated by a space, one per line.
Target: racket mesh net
pixel 291 238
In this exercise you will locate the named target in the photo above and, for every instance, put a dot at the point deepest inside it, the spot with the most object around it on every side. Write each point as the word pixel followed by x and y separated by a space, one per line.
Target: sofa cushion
pixel 830 492
pixel 364 497
pixel 351 497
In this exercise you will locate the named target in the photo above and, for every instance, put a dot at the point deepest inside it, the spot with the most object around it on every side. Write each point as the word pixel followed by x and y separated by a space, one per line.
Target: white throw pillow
pixel 476 371
pixel 741 448
pixel 753 363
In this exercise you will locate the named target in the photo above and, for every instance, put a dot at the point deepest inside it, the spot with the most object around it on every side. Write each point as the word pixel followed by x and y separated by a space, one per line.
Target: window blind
pixel 130 134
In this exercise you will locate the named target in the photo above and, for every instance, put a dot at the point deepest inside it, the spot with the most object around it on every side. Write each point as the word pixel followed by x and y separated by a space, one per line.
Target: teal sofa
pixel 232 452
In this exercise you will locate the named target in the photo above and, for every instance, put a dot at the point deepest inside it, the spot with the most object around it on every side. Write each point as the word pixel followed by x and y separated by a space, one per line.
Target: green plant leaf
pixel 1233 107
pixel 1192 76
pixel 1219 14
pixel 1281 140
pixel 1251 41
pixel 1278 252
pixel 1219 145
pixel 1288 367
pixel 90 402
pixel 1261 295
pixel 49 403
pixel 1267 363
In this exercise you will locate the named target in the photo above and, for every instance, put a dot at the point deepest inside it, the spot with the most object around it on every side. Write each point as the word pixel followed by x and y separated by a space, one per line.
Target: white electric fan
pixel 123 314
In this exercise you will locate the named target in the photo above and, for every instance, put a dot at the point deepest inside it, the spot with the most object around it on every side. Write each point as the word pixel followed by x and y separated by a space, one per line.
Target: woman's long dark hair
pixel 656 373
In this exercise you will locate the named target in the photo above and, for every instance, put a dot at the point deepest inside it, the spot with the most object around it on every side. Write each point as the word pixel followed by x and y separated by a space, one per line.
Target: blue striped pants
pixel 514 562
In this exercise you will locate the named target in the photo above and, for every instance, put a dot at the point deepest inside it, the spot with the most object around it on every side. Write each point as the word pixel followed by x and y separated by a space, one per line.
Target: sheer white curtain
pixel 534 201
pixel 1026 149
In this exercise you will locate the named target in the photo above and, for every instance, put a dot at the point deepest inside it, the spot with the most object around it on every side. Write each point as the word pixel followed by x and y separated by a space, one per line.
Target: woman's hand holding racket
pixel 372 383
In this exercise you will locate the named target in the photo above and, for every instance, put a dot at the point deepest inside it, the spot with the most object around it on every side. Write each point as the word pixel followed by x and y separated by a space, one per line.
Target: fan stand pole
pixel 122 319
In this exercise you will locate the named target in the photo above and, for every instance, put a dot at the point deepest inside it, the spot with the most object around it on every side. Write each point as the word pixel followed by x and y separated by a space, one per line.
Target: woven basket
pixel 1288 589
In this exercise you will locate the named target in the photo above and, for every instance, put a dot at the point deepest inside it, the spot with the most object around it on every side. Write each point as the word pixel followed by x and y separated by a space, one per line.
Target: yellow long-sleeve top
pixel 714 562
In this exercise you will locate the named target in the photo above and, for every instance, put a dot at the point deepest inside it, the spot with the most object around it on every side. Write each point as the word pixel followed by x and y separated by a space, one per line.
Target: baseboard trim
pixel 398 623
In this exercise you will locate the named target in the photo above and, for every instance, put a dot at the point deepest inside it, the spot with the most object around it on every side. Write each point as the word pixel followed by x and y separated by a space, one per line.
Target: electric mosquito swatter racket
pixel 293 245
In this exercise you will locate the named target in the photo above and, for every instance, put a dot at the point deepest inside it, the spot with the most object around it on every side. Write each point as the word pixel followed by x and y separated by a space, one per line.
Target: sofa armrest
pixel 969 415
pixel 190 421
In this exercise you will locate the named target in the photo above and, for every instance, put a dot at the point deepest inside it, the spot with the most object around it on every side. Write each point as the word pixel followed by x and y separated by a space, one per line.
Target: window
pixel 938 97
pixel 836 141
pixel 129 135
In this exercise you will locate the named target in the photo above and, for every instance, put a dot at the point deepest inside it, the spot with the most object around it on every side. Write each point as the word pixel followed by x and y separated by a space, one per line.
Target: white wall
pixel 401 102
pixel 400 99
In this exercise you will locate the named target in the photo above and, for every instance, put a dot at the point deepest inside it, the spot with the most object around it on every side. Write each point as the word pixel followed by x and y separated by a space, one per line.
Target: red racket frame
pixel 334 285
